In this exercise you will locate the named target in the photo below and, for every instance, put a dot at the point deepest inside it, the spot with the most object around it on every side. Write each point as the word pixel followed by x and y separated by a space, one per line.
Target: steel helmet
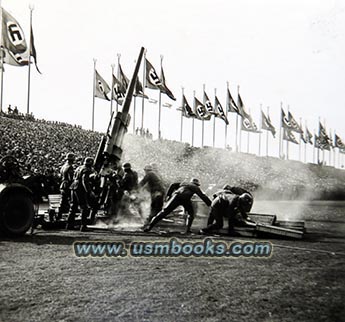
pixel 70 156
pixel 127 166
pixel 88 162
pixel 148 167
pixel 195 181
pixel 154 166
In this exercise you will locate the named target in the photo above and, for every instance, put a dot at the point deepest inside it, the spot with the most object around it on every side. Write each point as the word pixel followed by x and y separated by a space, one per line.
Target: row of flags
pixel 206 109
pixel 119 84
pixel 15 50
pixel 321 140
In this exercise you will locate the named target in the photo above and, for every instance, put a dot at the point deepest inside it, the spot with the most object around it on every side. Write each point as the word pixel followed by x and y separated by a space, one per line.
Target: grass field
pixel 42 280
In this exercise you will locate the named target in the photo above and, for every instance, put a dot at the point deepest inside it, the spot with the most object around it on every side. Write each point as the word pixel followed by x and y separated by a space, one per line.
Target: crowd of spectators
pixel 40 146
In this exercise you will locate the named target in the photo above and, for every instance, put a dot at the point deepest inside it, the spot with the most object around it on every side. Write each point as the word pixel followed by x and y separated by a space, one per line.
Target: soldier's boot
pixel 70 220
pixel 84 215
pixel 189 222
pixel 231 230
pixel 147 227
pixel 93 216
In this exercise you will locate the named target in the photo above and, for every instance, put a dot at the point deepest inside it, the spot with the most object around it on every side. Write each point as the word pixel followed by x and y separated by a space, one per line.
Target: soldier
pixel 156 171
pixel 67 173
pixel 82 194
pixel 155 187
pixel 240 191
pixel 181 195
pixel 232 206
pixel 129 181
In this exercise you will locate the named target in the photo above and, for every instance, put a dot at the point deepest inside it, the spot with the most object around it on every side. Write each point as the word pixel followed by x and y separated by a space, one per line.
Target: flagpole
pixel 226 115
pixel 314 161
pixel 118 77
pixel 318 152
pixel 144 84
pixel 94 88
pixel 182 114
pixel 214 120
pixel 305 145
pixel 334 154
pixel 330 149
pixel 323 150
pixel 280 130
pixel 29 64
pixel 112 88
pixel 267 133
pixel 300 141
pixel 160 104
pixel 238 140
pixel 248 136
pixel 260 126
pixel 287 141
pixel 193 118
pixel 203 123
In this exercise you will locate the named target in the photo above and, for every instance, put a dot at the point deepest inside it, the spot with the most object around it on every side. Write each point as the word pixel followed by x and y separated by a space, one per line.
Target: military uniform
pixel 155 187
pixel 129 181
pixel 82 194
pixel 181 195
pixel 232 206
pixel 67 173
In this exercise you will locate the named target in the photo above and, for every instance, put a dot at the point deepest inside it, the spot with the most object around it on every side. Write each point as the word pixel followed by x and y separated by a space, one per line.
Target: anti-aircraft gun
pixel 110 147
pixel 109 151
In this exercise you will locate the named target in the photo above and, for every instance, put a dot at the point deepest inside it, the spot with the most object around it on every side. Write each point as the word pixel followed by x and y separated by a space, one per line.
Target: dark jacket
pixel 152 182
pixel 129 180
pixel 67 173
pixel 81 181
pixel 234 190
pixel 227 200
pixel 186 190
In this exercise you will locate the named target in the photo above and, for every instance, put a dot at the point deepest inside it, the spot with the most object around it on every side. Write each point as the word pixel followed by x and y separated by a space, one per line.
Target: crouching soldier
pixel 228 205
pixel 180 197
pixel 82 194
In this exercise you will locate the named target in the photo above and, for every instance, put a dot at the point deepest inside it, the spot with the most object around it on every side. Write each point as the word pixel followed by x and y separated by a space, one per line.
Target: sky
pixel 289 51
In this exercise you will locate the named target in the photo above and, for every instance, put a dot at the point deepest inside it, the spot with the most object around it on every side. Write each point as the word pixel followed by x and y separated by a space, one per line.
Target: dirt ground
pixel 42 280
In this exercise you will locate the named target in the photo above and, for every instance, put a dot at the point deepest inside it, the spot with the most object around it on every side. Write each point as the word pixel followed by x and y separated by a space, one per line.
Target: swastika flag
pixel 152 79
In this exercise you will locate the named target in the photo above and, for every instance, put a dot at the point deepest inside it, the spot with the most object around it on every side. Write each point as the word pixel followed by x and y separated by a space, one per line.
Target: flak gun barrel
pixel 113 146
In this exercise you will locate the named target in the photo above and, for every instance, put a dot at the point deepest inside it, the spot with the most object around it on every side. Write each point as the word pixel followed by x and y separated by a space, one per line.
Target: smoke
pixel 268 178
pixel 133 210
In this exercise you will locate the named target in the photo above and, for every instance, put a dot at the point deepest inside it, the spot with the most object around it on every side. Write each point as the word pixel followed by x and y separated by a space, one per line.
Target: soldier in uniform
pixel 181 195
pixel 228 205
pixel 129 181
pixel 82 194
pixel 153 183
pixel 67 173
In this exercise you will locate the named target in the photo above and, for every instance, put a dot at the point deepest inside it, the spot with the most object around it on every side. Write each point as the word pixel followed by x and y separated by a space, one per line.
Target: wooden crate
pixel 54 201
pixel 263 218
pixel 279 231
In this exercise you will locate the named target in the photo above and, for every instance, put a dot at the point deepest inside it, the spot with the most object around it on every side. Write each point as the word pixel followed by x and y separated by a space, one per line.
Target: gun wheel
pixel 16 215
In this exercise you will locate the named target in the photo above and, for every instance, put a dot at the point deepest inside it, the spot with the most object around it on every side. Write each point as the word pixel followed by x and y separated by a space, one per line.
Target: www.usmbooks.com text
pixel 173 248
